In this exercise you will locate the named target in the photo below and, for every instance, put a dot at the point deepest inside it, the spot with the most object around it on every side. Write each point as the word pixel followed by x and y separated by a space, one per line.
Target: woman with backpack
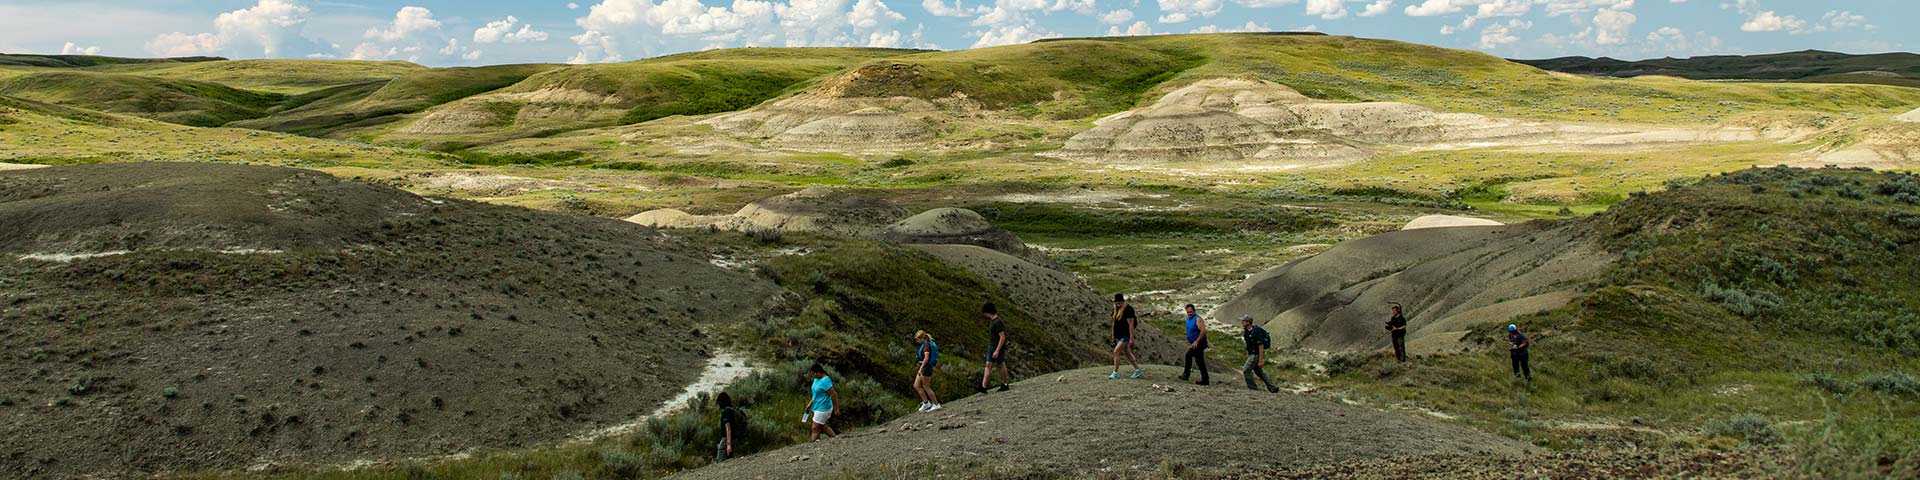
pixel 929 357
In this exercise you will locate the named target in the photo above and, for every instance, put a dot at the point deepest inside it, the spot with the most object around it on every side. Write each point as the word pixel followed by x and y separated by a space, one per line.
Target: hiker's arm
pixel 729 429
pixel 1000 345
pixel 834 393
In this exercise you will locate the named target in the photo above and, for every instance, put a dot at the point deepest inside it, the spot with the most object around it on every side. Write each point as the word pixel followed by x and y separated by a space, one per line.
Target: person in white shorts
pixel 824 403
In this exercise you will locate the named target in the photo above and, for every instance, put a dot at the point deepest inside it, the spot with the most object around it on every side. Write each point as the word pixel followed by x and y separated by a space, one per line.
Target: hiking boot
pixel 1203 383
pixel 982 390
pixel 1273 389
pixel 1184 378
pixel 1136 373
pixel 1004 387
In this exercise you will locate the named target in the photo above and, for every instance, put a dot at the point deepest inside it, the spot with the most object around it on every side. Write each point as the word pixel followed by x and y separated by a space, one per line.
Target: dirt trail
pixel 1079 423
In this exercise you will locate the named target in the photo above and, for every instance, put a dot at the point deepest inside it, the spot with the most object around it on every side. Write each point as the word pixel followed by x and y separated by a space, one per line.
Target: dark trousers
pixel 1253 368
pixel 1521 368
pixel 1196 355
pixel 1400 346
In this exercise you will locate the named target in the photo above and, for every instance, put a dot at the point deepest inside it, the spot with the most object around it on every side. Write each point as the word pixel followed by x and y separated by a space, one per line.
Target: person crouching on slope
pixel 1517 351
pixel 824 405
pixel 1257 344
pixel 1124 321
pixel 996 349
pixel 923 377
pixel 1196 347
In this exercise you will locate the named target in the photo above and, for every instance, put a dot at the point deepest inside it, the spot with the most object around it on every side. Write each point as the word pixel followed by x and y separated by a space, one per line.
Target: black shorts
pixel 997 359
pixel 927 369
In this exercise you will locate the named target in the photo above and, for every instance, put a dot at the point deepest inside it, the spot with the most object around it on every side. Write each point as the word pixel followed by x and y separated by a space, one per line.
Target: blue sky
pixel 471 32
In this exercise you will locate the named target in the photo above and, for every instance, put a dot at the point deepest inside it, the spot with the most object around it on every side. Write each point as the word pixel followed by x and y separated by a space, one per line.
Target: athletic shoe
pixel 982 390
pixel 1203 383
pixel 935 407
pixel 924 405
pixel 1273 389
pixel 1004 387
pixel 1136 373
pixel 1113 375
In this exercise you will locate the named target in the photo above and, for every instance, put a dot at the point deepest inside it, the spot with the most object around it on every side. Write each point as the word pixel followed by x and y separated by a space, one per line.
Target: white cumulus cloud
pixel 1138 28
pixel 75 49
pixel 270 28
pixel 502 31
pixel 409 21
pixel 1377 8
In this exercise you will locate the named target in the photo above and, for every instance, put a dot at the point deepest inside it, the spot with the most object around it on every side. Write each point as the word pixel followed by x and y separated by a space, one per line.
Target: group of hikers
pixel 1125 322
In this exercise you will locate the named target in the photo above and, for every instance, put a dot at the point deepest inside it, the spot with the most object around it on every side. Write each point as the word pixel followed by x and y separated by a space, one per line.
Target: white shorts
pixel 819 417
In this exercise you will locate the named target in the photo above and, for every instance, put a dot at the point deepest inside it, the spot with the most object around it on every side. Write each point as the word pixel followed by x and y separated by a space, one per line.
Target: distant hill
pixel 79 61
pixel 1806 66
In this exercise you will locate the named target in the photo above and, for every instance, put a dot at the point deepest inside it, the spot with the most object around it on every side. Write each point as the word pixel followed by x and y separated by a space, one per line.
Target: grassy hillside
pixel 586 96
pixel 322 112
pixel 1897 68
pixel 43 133
pixel 291 77
pixel 186 102
pixel 1771 307
pixel 1066 79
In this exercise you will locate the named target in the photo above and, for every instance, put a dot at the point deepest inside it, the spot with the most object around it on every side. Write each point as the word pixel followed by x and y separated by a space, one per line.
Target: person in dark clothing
pixel 1196 347
pixel 1518 352
pixel 996 348
pixel 1124 321
pixel 1257 344
pixel 1397 326
pixel 732 426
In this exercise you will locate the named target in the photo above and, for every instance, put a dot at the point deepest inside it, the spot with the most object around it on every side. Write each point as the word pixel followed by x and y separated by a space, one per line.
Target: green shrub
pixel 1828 382
pixel 1344 362
pixel 1892 383
pixel 1751 428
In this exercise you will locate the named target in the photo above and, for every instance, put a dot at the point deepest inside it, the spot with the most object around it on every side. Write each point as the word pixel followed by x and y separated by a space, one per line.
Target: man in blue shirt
pixel 1517 351
pixel 1257 344
pixel 1196 347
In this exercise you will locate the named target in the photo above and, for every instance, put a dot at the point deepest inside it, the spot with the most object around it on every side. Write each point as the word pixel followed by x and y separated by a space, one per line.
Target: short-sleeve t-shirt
pixel 821 400
pixel 1123 326
pixel 1516 339
pixel 728 416
pixel 993 334
pixel 1397 324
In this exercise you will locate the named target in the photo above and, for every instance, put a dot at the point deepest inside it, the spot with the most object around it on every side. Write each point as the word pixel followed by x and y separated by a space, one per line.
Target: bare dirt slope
pixel 1078 423
pixel 207 316
pixel 1448 278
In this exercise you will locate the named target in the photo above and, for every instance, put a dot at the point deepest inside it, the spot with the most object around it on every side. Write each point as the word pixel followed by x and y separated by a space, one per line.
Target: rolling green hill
pixel 290 77
pixel 323 112
pixel 1898 68
pixel 186 102
pixel 588 96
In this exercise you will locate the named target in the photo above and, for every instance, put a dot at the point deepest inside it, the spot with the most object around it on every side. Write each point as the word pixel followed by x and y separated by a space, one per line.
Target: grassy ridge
pixel 1810 66
pixel 1061 79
